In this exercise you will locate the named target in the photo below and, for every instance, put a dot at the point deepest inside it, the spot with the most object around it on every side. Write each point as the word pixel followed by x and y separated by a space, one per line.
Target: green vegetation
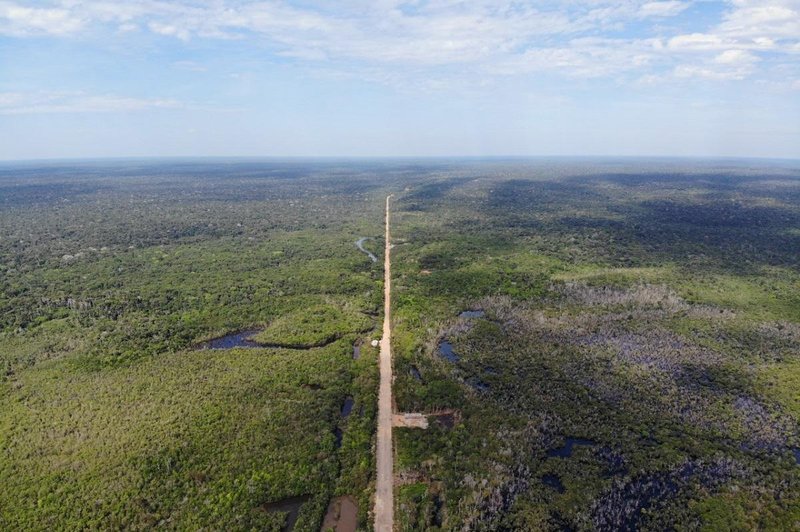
pixel 111 418
pixel 313 327
pixel 193 439
pixel 653 314
pixel 637 362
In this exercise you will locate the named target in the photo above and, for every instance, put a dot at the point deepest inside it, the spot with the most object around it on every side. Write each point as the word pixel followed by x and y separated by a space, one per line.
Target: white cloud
pixel 731 49
pixel 696 41
pixel 767 18
pixel 493 37
pixel 735 57
pixel 169 30
pixel 76 102
pixel 728 65
pixel 584 58
pixel 762 25
pixel 18 20
pixel 696 71
pixel 662 9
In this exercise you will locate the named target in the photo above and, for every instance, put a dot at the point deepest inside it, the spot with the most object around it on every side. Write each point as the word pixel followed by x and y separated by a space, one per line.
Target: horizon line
pixel 153 158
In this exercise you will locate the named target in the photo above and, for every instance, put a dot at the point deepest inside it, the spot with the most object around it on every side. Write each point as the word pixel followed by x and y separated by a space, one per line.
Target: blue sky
pixel 100 78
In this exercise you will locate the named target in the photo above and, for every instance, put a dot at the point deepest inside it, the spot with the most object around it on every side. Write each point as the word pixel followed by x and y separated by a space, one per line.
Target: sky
pixel 101 78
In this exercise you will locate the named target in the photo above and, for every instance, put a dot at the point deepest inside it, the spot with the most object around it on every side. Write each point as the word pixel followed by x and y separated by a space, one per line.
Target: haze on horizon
pixel 97 78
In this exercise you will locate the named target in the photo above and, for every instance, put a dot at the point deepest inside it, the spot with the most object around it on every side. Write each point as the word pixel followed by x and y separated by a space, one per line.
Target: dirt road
pixel 384 501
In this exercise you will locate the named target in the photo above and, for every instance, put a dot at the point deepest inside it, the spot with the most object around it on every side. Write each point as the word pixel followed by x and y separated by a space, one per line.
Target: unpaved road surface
pixel 384 501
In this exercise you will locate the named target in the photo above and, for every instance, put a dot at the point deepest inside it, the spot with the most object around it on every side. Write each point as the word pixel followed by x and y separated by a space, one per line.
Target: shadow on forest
pixel 423 194
pixel 732 229
pixel 173 182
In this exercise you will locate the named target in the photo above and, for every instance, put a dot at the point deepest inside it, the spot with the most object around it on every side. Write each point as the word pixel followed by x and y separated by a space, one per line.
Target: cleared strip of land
pixel 384 503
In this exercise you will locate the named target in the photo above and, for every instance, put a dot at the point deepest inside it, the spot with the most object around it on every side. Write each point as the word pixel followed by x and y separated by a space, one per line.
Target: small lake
pixel 566 450
pixel 446 351
pixel 554 482
pixel 347 407
pixel 342 515
pixel 291 506
pixel 239 339
pixel 472 314
pixel 438 503
pixel 360 246
pixel 415 373
pixel 796 452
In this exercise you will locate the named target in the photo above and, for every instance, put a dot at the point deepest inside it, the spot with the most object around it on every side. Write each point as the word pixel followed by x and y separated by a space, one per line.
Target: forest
pixel 600 344
pixel 116 410
pixel 619 342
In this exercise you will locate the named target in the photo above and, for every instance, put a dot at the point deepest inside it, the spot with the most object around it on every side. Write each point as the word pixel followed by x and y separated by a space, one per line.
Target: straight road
pixel 384 501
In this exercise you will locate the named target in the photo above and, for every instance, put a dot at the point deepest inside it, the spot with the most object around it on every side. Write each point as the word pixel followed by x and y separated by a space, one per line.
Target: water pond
pixel 291 507
pixel 566 450
pixel 553 481
pixel 360 246
pixel 342 515
pixel 347 407
pixel 229 341
pixel 446 351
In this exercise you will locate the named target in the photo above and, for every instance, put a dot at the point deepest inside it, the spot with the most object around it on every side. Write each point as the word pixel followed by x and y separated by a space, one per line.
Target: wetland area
pixel 592 344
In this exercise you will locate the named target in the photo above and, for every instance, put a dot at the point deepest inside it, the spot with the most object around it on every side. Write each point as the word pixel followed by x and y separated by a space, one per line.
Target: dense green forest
pixel 113 411
pixel 633 361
